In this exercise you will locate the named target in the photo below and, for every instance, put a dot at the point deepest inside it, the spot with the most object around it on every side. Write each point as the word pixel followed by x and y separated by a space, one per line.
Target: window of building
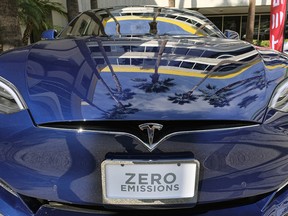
pixel 238 24
pixel 232 23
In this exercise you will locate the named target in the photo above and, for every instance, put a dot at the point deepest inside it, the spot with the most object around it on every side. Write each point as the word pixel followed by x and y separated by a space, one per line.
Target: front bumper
pixel 270 204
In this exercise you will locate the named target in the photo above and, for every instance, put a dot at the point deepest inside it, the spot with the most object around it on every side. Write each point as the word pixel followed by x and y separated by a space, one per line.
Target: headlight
pixel 279 99
pixel 10 99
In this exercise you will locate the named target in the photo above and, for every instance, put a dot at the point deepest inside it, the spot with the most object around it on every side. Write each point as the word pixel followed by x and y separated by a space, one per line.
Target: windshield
pixel 137 21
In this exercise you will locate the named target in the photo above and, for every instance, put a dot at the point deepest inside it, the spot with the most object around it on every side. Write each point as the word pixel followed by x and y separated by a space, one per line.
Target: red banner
pixel 277 24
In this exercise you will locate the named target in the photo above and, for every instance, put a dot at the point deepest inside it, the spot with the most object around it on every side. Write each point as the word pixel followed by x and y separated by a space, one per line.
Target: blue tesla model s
pixel 143 111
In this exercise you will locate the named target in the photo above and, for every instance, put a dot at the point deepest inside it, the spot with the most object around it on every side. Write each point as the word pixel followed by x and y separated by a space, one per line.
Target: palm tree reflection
pixel 181 99
pixel 222 97
pixel 216 97
pixel 124 95
pixel 247 101
pixel 120 112
pixel 157 86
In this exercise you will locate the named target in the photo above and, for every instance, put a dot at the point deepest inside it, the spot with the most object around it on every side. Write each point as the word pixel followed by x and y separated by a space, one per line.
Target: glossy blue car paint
pixel 86 97
pixel 79 81
pixel 11 205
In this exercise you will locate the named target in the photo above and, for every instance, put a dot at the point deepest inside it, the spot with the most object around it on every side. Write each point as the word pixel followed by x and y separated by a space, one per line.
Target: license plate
pixel 150 182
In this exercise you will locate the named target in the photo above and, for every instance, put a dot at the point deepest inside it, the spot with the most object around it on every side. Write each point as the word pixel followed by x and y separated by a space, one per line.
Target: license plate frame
pixel 111 175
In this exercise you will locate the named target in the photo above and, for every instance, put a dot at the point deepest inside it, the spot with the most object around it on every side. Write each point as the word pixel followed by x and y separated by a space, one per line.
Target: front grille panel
pixel 132 127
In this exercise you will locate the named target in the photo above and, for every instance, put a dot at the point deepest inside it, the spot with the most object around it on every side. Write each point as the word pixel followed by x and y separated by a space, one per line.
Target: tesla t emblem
pixel 150 127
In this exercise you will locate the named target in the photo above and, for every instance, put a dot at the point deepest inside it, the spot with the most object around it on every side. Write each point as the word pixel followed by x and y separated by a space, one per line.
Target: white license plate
pixel 135 182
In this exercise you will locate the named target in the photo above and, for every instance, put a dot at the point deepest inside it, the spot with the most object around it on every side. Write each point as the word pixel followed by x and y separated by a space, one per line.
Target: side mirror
pixel 49 34
pixel 231 34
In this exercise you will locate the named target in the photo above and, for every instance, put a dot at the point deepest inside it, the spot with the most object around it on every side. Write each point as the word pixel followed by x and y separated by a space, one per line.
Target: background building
pixel 226 14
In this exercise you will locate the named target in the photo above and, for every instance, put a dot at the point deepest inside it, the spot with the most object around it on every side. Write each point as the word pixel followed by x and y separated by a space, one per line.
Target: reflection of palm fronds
pixel 120 112
pixel 124 95
pixel 209 91
pixel 214 96
pixel 182 98
pixel 247 101
pixel 219 101
pixel 157 87
pixel 222 97
pixel 219 65
pixel 261 82
pixel 139 80
pixel 256 82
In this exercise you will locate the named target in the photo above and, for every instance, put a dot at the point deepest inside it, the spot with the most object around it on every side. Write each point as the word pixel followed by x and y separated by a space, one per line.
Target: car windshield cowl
pixel 140 36
pixel 141 21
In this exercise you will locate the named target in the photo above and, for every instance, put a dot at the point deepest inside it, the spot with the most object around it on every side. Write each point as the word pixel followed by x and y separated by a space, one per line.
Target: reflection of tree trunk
pixel 155 76
pixel 10 34
pixel 117 82
pixel 27 33
pixel 250 21
pixel 72 9
pixel 171 3
pixel 94 4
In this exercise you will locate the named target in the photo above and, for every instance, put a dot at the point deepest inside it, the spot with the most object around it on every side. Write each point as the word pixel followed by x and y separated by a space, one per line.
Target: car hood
pixel 165 78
